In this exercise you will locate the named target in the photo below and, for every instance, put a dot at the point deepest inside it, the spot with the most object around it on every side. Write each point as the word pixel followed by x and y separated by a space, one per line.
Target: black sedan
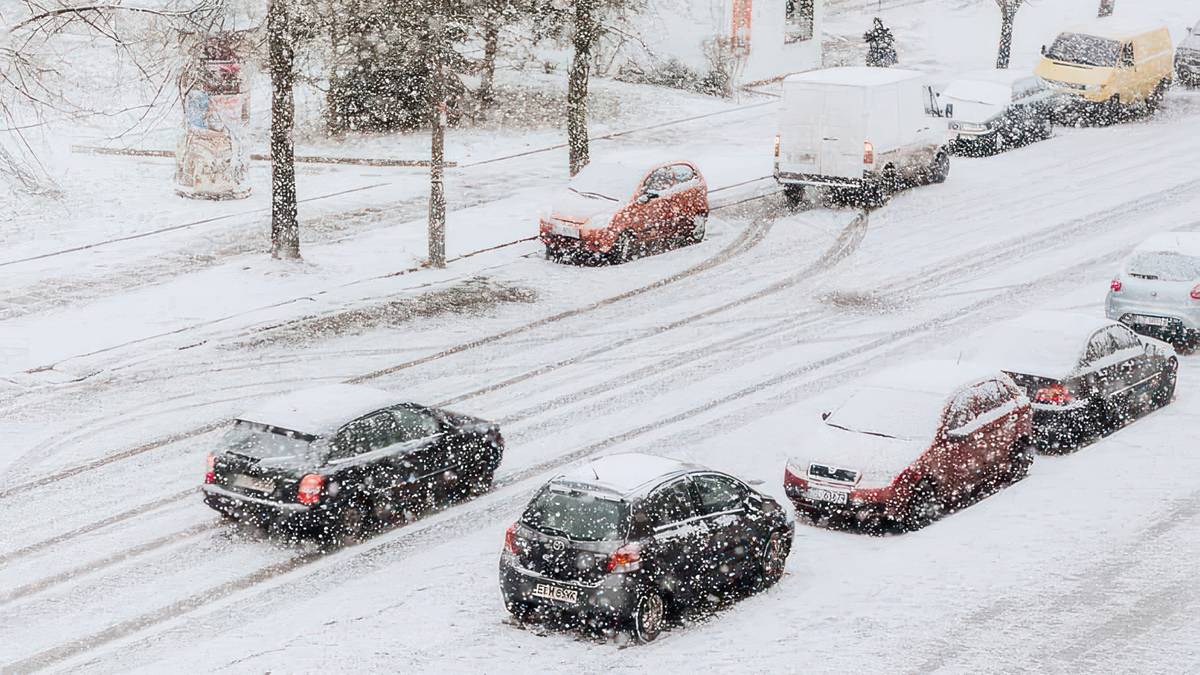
pixel 1085 376
pixel 627 539
pixel 336 461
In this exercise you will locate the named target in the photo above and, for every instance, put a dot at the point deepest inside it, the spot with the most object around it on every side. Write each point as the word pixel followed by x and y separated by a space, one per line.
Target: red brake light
pixel 1055 394
pixel 1195 292
pixel 210 476
pixel 1116 285
pixel 510 540
pixel 309 491
pixel 628 558
pixel 868 152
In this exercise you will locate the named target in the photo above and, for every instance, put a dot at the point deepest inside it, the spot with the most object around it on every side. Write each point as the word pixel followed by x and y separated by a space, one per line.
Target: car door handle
pixel 831 139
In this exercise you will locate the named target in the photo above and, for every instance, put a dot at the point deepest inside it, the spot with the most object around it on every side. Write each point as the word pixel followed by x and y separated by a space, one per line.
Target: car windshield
pixel 266 442
pixel 577 515
pixel 1164 265
pixel 974 91
pixel 891 413
pixel 605 181
pixel 1087 50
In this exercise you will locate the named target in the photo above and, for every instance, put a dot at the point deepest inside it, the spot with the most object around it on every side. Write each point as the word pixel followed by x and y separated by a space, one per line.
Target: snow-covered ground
pixel 113 382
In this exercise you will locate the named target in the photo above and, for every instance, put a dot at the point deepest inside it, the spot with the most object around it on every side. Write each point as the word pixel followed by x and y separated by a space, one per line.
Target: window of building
pixel 798 20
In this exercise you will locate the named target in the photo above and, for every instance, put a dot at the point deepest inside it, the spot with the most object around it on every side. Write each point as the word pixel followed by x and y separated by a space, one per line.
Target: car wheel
pixel 522 612
pixel 924 506
pixel 348 526
pixel 699 228
pixel 793 195
pixel 1020 459
pixel 772 562
pixel 1046 130
pixel 623 249
pixel 1112 112
pixel 649 617
pixel 940 169
pixel 554 254
pixel 1165 392
pixel 1156 97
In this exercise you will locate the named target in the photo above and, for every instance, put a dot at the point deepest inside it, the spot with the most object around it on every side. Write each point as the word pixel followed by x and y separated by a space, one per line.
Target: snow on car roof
pixel 1046 343
pixel 320 410
pixel 857 76
pixel 1185 243
pixel 1114 29
pixel 613 178
pixel 625 473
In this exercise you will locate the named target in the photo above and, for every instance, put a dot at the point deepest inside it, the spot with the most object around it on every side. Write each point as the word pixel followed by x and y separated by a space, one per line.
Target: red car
pixel 613 211
pixel 909 444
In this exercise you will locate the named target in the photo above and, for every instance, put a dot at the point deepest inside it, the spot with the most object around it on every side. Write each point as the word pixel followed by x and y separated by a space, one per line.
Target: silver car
pixel 1187 58
pixel 1157 291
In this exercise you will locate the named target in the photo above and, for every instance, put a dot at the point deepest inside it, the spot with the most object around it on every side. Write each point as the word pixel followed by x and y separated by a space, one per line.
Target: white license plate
pixel 565 230
pixel 816 494
pixel 252 483
pixel 1152 320
pixel 558 593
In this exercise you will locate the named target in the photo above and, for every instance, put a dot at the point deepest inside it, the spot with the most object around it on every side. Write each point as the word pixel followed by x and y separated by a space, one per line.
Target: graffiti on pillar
pixel 212 157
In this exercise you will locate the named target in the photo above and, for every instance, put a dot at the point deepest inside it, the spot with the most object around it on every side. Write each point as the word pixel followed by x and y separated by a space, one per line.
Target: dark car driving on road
pixel 1085 375
pixel 628 539
pixel 335 461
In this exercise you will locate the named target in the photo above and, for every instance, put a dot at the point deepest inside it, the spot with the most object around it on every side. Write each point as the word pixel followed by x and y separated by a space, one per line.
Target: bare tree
pixel 1106 8
pixel 583 38
pixel 437 155
pixel 1008 13
pixel 281 63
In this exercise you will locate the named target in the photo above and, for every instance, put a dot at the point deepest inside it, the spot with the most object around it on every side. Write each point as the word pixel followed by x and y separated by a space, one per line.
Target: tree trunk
pixel 437 152
pixel 491 44
pixel 1006 35
pixel 1106 8
pixel 285 231
pixel 577 85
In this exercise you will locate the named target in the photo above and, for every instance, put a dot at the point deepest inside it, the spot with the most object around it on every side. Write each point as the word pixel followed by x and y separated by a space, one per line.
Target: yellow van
pixel 1106 72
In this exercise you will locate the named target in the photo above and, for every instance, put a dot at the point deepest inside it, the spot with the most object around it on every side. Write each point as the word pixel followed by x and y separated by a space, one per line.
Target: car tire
pixel 699 228
pixel 793 195
pixel 1154 101
pixel 348 525
pixel 623 249
pixel 649 617
pixel 772 561
pixel 924 506
pixel 1046 129
pixel 1165 392
pixel 1020 460
pixel 521 612
pixel 939 170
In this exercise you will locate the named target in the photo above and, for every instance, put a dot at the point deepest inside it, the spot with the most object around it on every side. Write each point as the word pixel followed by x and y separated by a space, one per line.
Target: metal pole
pixel 437 155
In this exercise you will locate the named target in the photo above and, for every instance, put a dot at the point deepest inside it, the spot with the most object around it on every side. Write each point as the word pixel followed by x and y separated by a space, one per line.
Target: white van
pixel 863 131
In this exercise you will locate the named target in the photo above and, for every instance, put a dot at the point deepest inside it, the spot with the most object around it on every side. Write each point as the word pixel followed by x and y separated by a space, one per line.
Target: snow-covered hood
pixel 973 112
pixel 572 206
pixel 877 458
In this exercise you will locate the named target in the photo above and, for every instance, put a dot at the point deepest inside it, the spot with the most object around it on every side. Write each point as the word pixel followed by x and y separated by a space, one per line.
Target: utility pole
pixel 437 154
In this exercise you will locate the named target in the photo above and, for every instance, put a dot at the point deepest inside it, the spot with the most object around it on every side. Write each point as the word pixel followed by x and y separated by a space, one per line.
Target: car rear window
pixel 262 442
pixel 577 515
pixel 1164 265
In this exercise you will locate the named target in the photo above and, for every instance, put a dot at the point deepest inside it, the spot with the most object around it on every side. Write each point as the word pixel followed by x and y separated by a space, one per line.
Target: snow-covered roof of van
pixel 1115 29
pixel 856 76
pixel 625 473
pixel 1186 243
pixel 997 76
pixel 320 411
pixel 1044 343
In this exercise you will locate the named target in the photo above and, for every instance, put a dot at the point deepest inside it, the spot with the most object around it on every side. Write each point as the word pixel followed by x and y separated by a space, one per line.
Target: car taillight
pixel 628 558
pixel 868 152
pixel 309 491
pixel 1195 292
pixel 510 540
pixel 210 476
pixel 776 146
pixel 1115 286
pixel 1055 394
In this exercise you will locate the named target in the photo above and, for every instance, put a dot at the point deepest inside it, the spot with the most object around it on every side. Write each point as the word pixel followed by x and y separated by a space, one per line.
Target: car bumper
pixel 613 598
pixel 1181 319
pixel 816 180
pixel 293 517
pixel 856 510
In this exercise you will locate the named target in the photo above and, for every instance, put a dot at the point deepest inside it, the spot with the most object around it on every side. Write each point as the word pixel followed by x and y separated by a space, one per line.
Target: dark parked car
pixel 1086 376
pixel 994 110
pixel 337 460
pixel 628 539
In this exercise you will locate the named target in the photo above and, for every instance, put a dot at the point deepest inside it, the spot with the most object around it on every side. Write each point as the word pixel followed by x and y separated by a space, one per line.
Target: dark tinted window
pixel 1100 346
pixel 366 434
pixel 683 173
pixel 262 441
pixel 414 423
pixel 962 409
pixel 718 493
pixel 670 504
pixel 659 180
pixel 1124 338
pixel 577 515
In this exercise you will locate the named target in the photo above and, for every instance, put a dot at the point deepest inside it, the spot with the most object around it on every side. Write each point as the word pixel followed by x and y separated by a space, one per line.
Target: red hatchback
pixel 909 444
pixel 614 211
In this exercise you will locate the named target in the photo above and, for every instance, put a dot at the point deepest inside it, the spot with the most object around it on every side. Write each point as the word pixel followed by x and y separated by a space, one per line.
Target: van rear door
pixel 842 131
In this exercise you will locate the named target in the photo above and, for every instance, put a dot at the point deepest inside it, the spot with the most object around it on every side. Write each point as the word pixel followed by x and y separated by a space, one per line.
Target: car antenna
pixel 594 473
pixel 959 361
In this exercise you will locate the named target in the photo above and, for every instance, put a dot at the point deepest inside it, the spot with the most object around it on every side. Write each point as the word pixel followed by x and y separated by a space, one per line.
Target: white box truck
pixel 864 132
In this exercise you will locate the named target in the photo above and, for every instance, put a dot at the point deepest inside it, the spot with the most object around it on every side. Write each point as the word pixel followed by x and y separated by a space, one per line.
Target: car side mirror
pixel 955 434
pixel 647 196
pixel 1043 50
pixel 1189 30
pixel 825 415
pixel 949 110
